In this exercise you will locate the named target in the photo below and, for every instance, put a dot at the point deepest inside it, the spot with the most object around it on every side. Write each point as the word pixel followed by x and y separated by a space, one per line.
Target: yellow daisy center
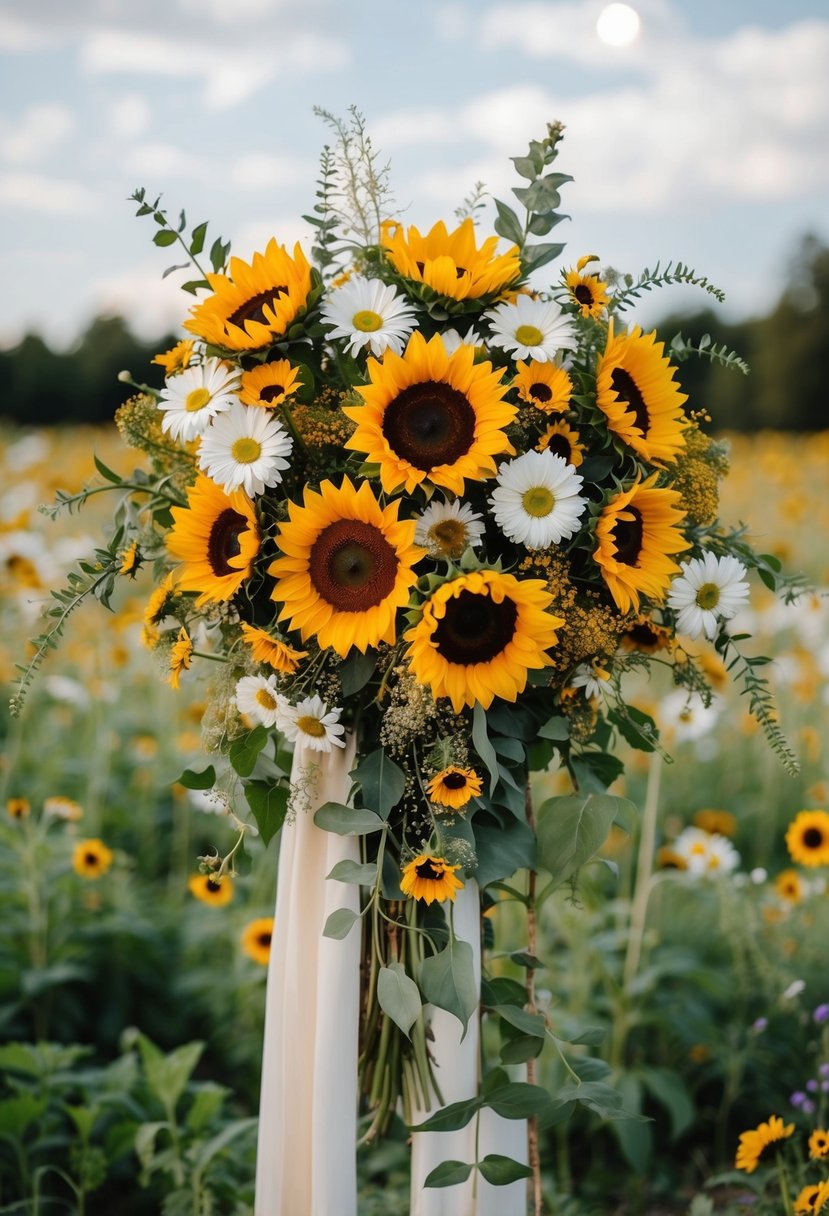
pixel 538 501
pixel 197 399
pixel 246 450
pixel 366 321
pixel 449 535
pixel 310 726
pixel 265 699
pixel 708 596
pixel 529 335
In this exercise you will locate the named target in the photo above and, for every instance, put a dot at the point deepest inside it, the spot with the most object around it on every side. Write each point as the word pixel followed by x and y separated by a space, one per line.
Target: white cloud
pixel 262 171
pixel 153 305
pixel 129 116
pixel 34 134
pixel 160 162
pixel 48 195
pixel 254 235
pixel 19 35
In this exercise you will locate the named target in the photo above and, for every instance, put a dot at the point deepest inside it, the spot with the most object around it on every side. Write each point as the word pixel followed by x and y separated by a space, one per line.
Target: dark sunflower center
pixel 454 781
pixel 254 308
pixel 627 537
pixel 560 445
pixel 627 392
pixel 475 629
pixel 271 391
pixel 264 940
pixel 212 886
pixel 91 859
pixel 427 869
pixel 813 838
pixel 541 391
pixel 429 424
pixel 223 542
pixel 583 294
pixel 643 635
pixel 352 565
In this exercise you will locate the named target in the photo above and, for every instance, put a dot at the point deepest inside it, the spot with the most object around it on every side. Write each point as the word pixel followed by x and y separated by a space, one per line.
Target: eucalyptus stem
pixel 533 1150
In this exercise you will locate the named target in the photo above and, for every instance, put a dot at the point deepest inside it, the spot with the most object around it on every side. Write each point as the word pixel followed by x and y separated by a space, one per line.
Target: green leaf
pixel 595 771
pixel 352 871
pixel 106 472
pixel 245 750
pixel 207 1102
pixel 482 745
pixel 447 980
pixel 165 237
pixel 339 923
pixel 598 1097
pixel 398 996
pixel 636 727
pixel 197 239
pixel 508 224
pixel 347 820
pixel 527 1023
pixel 535 256
pixel 381 781
pixel 517 1100
pixel 520 1049
pixel 210 1149
pixel 357 670
pixel 16 1114
pixel 503 850
pixel 167 1075
pixel 635 1137
pixel 84 1119
pixel 500 1171
pixel 527 166
pixel 218 253
pixel 450 1118
pixel 524 959
pixel 570 831
pixel 205 780
pixel 269 804
pixel 556 727
pixel 448 1173
pixel 669 1091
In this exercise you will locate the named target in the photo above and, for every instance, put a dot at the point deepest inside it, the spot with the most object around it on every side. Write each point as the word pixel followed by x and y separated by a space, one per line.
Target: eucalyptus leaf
pixel 357 669
pixel 503 850
pixel 347 820
pixel 447 980
pixel 398 996
pixel 339 923
pixel 482 745
pixel 354 872
pixel 571 829
pixel 381 781
pixel 448 1173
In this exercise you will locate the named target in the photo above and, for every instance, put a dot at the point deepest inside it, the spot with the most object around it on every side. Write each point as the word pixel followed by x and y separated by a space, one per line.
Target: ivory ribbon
pixel 306 1162
pixel 457 1071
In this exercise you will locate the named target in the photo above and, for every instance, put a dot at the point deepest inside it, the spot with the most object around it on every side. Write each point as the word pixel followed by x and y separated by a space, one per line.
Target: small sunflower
pixel 265 648
pixel 430 878
pixel 269 384
pixel 562 440
pixel 668 859
pixel 807 838
pixel 643 634
pixel 638 534
pixel 450 262
pixel 59 807
pixel 711 820
pixel 819 1144
pixel 754 1143
pixel 256 939
pixel 255 303
pixel 210 891
pixel 636 391
pixel 544 385
pixel 216 537
pixel 131 560
pixel 180 656
pixel 346 567
pixel 91 858
pixel 480 635
pixel 18 808
pixel 789 886
pixel 454 787
pixel 177 358
pixel 588 292
pixel 430 416
pixel 812 1199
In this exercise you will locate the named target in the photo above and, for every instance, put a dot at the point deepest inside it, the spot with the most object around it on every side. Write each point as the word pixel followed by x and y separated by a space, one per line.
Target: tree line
pixel 787 351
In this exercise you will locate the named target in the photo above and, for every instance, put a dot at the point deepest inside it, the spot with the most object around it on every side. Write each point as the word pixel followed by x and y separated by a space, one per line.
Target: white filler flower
pixel 537 502
pixel 591 677
pixel 369 313
pixel 531 329
pixel 706 591
pixel 193 397
pixel 705 852
pixel 446 529
pixel 245 447
pixel 256 697
pixel 313 724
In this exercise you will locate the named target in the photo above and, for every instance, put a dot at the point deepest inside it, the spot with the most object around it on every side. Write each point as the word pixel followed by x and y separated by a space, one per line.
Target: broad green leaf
pixel 381 781
pixel 245 750
pixel 503 850
pixel 269 804
pixel 357 669
pixel 520 1049
pixel 347 820
pixel 16 1114
pixel 527 1023
pixel 598 1097
pixel 500 1171
pixel 523 959
pixel 508 224
pixel 482 745
pixel 210 1149
pixel 353 871
pixel 502 991
pixel 447 980
pixel 669 1091
pixel 84 1119
pixel 398 996
pixel 197 239
pixel 448 1173
pixel 571 829
pixel 339 923
pixel 205 780
pixel 517 1100
pixel 165 237
pixel 557 728
pixel 167 1075
pixel 145 1142
pixel 635 1137
pixel 596 771
pixel 206 1104
pixel 450 1118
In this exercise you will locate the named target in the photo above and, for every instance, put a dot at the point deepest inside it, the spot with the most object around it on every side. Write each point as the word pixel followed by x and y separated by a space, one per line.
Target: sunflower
pixel 18 808
pixel 430 878
pixel 429 416
pixel 91 858
pixel 267 649
pixel 812 1198
pixel 216 538
pixel 789 886
pixel 269 384
pixel 588 292
pixel 668 859
pixel 563 441
pixel 131 560
pixel 479 636
pixel 643 634
pixel 255 303
pixel 635 389
pixel 807 838
pixel 346 567
pixel 637 532
pixel 177 358
pixel 543 385
pixel 210 891
pixel 450 262
pixel 754 1143
pixel 256 939
pixel 819 1144
pixel 711 820
pixel 453 787
pixel 180 656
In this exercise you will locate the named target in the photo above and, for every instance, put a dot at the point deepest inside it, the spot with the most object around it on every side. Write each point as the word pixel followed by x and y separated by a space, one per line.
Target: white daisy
pixel 191 398
pixel 446 529
pixel 245 447
pixel 537 502
pixel 453 341
pixel 256 697
pixel 369 313
pixel 531 329
pixel 591 678
pixel 313 724
pixel 705 852
pixel 706 591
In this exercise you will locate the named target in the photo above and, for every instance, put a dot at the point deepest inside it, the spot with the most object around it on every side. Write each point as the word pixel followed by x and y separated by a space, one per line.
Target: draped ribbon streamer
pixel 306 1163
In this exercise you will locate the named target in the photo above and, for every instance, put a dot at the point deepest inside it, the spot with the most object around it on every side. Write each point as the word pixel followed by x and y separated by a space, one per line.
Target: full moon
pixel 618 25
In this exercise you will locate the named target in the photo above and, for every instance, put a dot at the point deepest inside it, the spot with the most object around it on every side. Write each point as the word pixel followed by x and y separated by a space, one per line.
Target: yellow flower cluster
pixel 590 626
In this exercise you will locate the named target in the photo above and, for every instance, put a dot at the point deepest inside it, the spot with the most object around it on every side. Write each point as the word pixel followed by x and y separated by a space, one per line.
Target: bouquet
pixel 414 504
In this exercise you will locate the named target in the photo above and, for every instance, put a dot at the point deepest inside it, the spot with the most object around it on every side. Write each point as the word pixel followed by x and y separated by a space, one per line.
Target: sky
pixel 706 139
